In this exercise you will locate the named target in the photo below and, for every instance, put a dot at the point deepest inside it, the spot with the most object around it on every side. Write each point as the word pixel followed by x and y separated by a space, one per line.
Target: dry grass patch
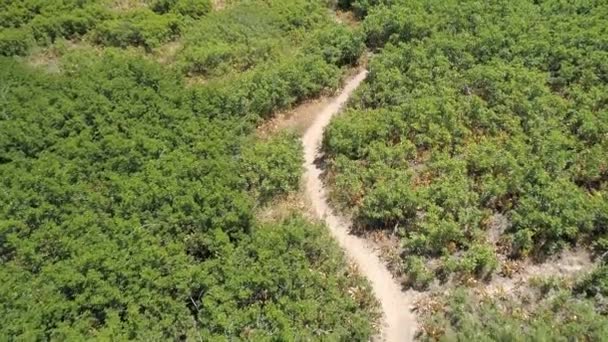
pixel 46 59
pixel 127 5
pixel 279 209
pixel 167 53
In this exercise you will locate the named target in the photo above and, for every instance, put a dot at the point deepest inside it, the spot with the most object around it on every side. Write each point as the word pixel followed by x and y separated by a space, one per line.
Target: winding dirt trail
pixel 399 322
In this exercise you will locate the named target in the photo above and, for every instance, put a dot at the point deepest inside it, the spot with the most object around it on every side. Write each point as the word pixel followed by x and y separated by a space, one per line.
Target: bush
pixel 193 8
pixel 273 167
pixel 361 7
pixel 162 6
pixel 594 284
pixel 266 89
pixel 143 28
pixel 479 261
pixel 338 45
pixel 14 42
pixel 418 276
pixel 219 59
pixel 434 235
pixel 47 30
pixel 389 203
pixel 554 214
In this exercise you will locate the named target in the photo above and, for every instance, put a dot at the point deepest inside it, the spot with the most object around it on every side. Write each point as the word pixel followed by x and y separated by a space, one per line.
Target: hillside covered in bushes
pixel 131 176
pixel 480 137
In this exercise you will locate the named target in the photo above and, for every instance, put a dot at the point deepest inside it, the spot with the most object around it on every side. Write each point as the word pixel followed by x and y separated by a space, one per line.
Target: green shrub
pixel 389 203
pixel 193 8
pixel 118 33
pixel 594 284
pixel 338 45
pixel 14 42
pixel 273 167
pixel 222 58
pixel 142 28
pixel 162 6
pixel 434 234
pixel 208 60
pixel 361 7
pixel 47 30
pixel 395 24
pixel 554 214
pixel 418 276
pixel 479 260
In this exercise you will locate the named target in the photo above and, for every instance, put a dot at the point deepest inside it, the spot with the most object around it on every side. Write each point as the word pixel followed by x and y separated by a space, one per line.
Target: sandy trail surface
pixel 399 322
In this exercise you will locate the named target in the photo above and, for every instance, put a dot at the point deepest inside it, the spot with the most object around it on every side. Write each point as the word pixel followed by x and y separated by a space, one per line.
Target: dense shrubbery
pixel 119 200
pixel 249 35
pixel 47 29
pixel 273 167
pixel 47 21
pixel 361 7
pixel 252 36
pixel 142 28
pixel 192 8
pixel 338 45
pixel 262 91
pixel 14 42
pixel 476 109
pixel 127 209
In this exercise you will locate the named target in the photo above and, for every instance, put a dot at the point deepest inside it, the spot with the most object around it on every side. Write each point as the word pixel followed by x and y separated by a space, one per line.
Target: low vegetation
pixel 552 313
pixel 451 128
pixel 127 209
pixel 480 119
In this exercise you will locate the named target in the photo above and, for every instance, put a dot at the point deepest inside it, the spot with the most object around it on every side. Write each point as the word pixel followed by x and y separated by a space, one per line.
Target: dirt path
pixel 399 322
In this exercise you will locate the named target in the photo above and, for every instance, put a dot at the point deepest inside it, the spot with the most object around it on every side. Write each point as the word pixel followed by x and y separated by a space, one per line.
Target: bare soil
pixel 296 120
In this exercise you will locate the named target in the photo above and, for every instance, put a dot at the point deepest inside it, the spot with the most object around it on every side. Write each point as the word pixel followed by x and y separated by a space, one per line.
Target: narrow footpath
pixel 399 321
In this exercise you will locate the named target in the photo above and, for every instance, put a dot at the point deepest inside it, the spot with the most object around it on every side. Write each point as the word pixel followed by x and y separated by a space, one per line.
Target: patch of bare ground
pixel 516 275
pixel 49 59
pixel 167 53
pixel 388 246
pixel 297 119
pixel 126 5
pixel 46 59
pixel 346 17
pixel 219 5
